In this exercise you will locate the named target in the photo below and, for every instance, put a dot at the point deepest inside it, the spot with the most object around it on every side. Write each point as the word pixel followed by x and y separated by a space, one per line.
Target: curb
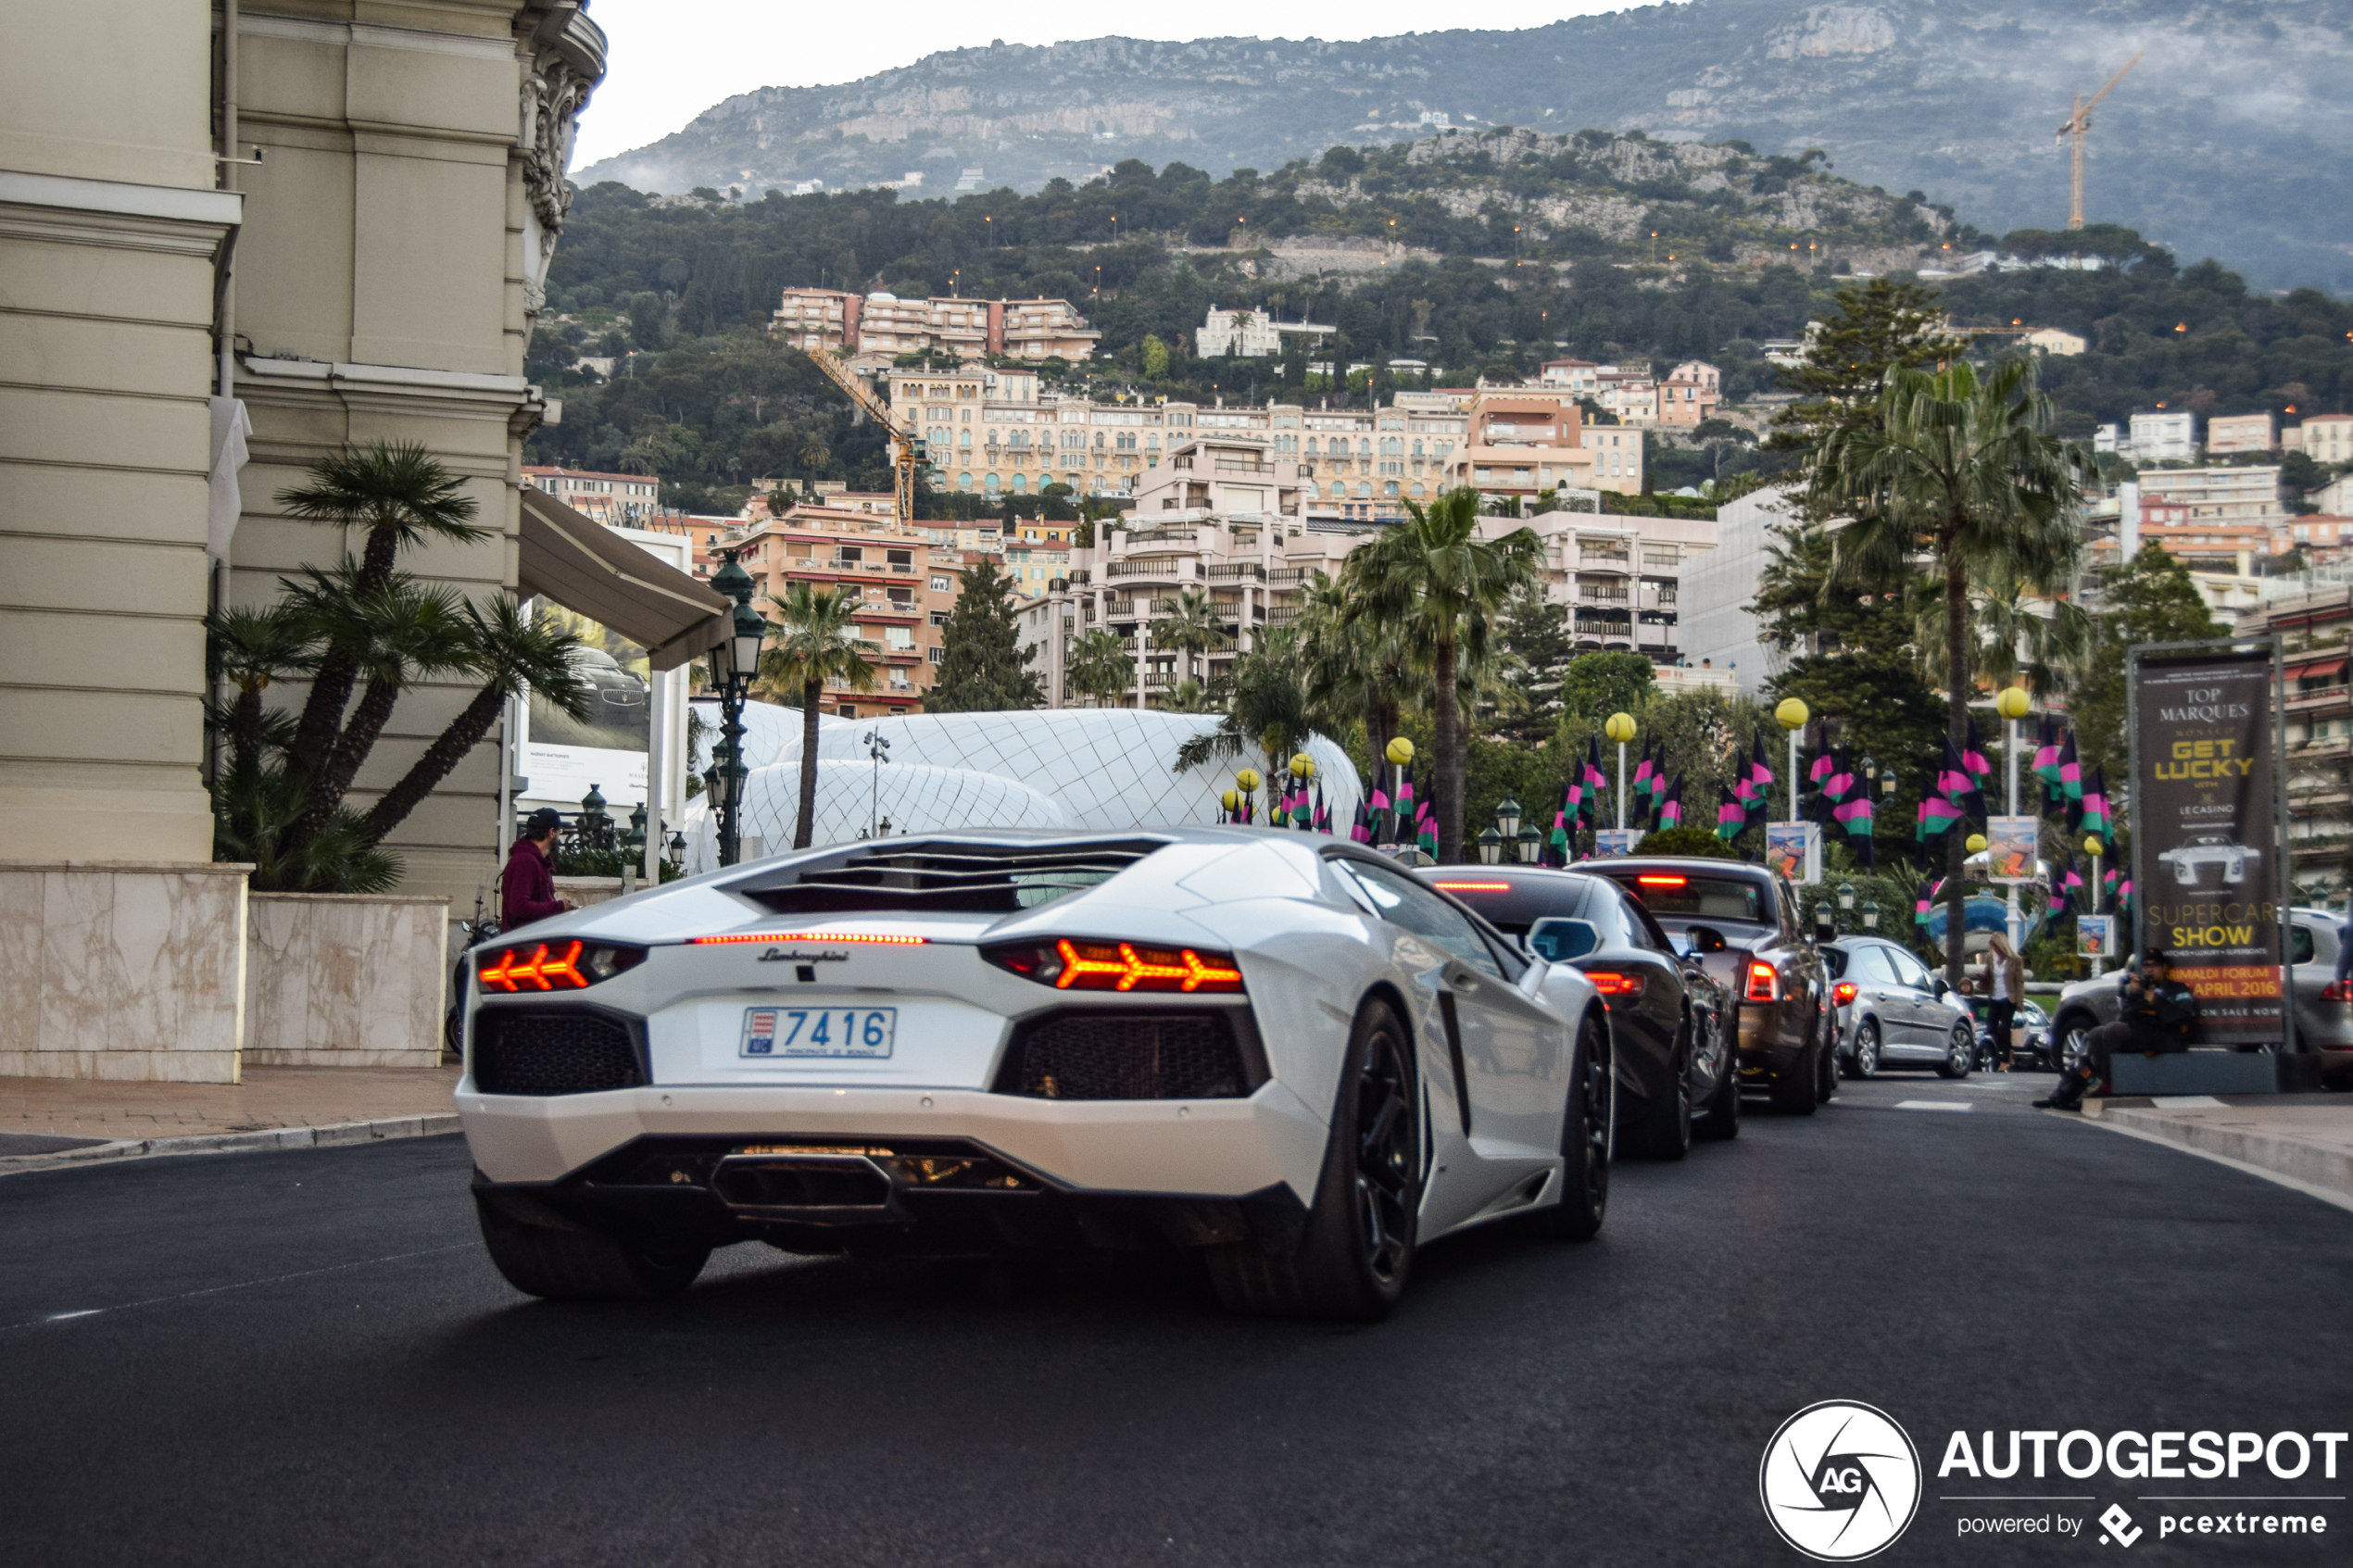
pixel 2311 1165
pixel 334 1136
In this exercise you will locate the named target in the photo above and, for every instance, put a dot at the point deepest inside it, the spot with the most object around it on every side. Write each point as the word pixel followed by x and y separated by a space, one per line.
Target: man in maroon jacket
pixel 528 892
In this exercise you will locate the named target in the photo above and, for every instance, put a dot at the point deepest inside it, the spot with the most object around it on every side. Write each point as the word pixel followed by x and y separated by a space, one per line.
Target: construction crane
pixel 2073 129
pixel 906 450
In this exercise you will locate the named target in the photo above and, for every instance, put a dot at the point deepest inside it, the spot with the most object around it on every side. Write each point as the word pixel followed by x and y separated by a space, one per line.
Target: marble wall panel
pixel 351 981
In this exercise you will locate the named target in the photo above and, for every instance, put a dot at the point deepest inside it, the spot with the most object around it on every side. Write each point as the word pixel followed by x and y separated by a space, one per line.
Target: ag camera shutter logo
pixel 1840 1481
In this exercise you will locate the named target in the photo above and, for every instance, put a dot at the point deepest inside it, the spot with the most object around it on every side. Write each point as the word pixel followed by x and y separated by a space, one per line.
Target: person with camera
pixel 2156 1013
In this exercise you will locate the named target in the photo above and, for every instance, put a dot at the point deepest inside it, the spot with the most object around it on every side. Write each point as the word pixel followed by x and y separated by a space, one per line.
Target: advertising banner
pixel 2206 832
pixel 2010 847
pixel 563 756
pixel 1795 849
pixel 1615 841
pixel 2092 938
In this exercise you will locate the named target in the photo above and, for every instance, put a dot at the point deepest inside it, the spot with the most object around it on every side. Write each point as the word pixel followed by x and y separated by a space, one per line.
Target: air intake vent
pixel 1123 1055
pixel 552 1052
pixel 993 879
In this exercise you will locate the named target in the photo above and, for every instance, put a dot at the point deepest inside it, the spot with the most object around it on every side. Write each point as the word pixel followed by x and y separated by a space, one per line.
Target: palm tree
pixel 1967 473
pixel 252 649
pixel 1434 584
pixel 511 653
pixel 1265 708
pixel 816 642
pixel 1101 668
pixel 1191 623
pixel 399 495
pixel 2014 634
pixel 1353 667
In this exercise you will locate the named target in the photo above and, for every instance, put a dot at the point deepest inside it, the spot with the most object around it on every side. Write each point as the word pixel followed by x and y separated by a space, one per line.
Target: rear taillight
pixel 1764 982
pixel 2337 991
pixel 1844 993
pixel 1615 983
pixel 561 965
pixel 1075 964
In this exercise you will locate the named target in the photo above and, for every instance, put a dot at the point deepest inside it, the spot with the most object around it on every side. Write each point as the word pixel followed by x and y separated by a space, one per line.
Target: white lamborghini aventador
pixel 1275 1048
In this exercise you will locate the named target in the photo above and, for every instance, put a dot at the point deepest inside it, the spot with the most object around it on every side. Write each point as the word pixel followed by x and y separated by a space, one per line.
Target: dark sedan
pixel 1747 917
pixel 1668 1016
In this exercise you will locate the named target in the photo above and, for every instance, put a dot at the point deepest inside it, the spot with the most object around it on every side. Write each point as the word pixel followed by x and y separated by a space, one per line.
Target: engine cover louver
pixel 954 878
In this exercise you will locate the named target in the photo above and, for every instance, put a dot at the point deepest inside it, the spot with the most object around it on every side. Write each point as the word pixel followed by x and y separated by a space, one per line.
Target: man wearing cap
pixel 528 891
pixel 2155 1013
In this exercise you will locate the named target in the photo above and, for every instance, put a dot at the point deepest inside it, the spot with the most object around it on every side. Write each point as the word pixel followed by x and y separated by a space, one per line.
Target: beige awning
pixel 586 568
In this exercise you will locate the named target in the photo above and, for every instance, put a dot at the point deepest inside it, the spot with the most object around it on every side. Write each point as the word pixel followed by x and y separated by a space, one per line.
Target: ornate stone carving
pixel 565 59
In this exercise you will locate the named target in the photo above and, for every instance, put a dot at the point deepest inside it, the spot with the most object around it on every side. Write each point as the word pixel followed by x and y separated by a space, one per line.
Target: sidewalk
pixel 2306 1138
pixel 46 1121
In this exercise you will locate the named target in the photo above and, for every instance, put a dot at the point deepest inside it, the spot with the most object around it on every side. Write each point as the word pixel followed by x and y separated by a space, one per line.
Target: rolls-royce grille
pixel 569 1052
pixel 1128 1056
pixel 964 878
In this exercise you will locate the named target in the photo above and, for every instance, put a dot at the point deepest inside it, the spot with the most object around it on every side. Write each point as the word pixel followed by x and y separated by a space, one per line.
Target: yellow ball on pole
pixel 1229 800
pixel 1400 751
pixel 2093 847
pixel 1302 766
pixel 1791 714
pixel 2013 702
pixel 1619 727
pixel 1977 844
pixel 1248 779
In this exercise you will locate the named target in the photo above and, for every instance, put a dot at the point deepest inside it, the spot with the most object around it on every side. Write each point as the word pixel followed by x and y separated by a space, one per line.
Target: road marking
pixel 2335 1199
pixel 241 1284
pixel 2178 1103
pixel 1933 1105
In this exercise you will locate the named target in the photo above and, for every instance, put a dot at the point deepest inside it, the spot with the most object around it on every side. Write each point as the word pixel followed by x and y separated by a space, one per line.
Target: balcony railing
pixel 1591 595
pixel 1286 576
pixel 1167 568
pixel 1235 571
pixel 1224 465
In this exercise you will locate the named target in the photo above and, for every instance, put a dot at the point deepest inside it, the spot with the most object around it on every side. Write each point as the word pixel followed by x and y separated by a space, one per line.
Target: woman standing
pixel 2004 984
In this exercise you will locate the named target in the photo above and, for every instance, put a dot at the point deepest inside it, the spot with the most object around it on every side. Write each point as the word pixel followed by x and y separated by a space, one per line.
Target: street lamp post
pixel 733 660
pixel 877 752
pixel 2013 705
pixel 1871 914
pixel 1531 846
pixel 1491 846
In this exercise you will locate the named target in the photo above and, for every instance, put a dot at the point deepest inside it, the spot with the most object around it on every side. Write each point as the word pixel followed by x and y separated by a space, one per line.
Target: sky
pixel 671 59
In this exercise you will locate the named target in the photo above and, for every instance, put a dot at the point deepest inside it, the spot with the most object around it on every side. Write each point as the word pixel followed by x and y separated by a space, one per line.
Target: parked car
pixel 2323 1005
pixel 1279 1051
pixel 2034 1050
pixel 1673 1034
pixel 1744 921
pixel 1893 1012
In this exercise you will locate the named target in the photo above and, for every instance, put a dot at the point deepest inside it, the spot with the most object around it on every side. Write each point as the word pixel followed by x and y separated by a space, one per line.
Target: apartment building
pixel 996 433
pixel 2322 536
pixel 884 325
pixel 2228 435
pixel 2317 630
pixel 1629 393
pixel 1234 476
pixel 1717 630
pixel 1250 335
pixel 904 585
pixel 608 497
pixel 2165 436
pixel 1524 441
pixel 1619 578
pixel 1580 377
pixel 1689 393
pixel 2211 514
pixel 2325 438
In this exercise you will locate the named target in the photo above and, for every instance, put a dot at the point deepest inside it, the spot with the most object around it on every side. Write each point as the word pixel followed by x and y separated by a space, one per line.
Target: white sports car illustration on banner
pixel 1275 1048
pixel 2188 861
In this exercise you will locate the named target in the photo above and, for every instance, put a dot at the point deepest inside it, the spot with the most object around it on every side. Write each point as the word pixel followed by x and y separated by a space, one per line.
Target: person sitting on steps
pixel 2155 1014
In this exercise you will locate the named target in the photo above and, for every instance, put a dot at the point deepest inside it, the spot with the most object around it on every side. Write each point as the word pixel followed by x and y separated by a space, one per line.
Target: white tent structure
pixel 1068 768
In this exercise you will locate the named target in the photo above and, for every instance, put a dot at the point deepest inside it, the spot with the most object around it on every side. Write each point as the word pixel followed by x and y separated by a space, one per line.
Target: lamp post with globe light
pixel 2013 704
pixel 1619 727
pixel 734 660
pixel 1791 716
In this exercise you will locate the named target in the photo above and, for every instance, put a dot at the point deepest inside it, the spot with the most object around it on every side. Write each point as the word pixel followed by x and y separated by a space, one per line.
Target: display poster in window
pixel 2206 832
pixel 606 746
pixel 1795 849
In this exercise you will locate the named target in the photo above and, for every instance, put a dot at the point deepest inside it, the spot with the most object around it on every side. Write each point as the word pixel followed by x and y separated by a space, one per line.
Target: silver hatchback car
pixel 1893 1012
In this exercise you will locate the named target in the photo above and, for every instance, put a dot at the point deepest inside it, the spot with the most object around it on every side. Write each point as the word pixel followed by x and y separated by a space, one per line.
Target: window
pixel 940 584
pixel 899 557
pixel 939 618
pixel 1406 904
pixel 934 655
pixel 1909 970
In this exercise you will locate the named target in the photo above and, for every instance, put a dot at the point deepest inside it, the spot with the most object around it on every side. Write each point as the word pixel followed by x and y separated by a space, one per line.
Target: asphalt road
pixel 305 1358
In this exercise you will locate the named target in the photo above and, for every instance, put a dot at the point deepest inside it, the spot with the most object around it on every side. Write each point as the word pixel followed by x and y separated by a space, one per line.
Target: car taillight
pixel 2337 991
pixel 1764 982
pixel 1614 983
pixel 1075 964
pixel 1844 993
pixel 561 965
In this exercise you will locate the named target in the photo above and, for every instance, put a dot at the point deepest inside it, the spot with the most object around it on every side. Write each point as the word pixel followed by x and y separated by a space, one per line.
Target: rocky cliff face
pixel 2227 140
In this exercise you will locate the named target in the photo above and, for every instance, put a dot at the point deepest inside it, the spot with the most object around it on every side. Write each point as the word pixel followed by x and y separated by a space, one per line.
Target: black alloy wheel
pixel 1360 1237
pixel 1960 1053
pixel 1585 1145
pixel 1866 1061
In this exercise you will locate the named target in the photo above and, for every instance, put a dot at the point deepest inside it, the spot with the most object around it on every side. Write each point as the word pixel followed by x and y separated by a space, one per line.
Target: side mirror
pixel 1559 940
pixel 1705 940
pixel 1940 987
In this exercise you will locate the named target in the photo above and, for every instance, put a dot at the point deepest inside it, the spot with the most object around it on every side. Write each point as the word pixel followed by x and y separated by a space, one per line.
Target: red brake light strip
pixel 1764 984
pixel 1663 881
pixel 539 970
pixel 1475 886
pixel 884 938
pixel 1190 973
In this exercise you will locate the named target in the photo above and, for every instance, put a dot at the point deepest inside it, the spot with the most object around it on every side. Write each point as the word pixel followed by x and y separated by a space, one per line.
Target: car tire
pixel 1960 1053
pixel 574 1264
pixel 2070 1042
pixel 1585 1146
pixel 1796 1092
pixel 1866 1050
pixel 1723 1120
pixel 1358 1247
pixel 1667 1129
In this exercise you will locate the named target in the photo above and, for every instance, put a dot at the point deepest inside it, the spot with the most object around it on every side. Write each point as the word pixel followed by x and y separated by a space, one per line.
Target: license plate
pixel 804 1032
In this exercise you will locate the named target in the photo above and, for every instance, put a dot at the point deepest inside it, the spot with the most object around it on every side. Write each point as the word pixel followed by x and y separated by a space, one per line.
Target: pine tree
pixel 1880 328
pixel 985 669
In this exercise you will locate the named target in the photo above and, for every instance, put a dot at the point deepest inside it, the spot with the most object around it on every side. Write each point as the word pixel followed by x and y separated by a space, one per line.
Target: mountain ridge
pixel 2220 143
